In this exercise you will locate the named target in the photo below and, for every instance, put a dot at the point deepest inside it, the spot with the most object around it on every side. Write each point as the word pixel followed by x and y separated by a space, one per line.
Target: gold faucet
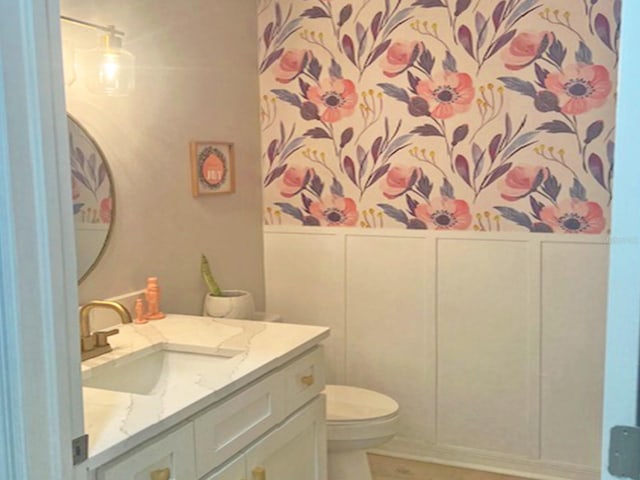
pixel 94 344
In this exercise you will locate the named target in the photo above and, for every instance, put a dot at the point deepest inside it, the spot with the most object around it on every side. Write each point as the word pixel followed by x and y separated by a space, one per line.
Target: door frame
pixel 40 381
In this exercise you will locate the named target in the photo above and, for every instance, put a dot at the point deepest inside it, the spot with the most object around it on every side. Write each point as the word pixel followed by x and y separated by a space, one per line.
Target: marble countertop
pixel 117 421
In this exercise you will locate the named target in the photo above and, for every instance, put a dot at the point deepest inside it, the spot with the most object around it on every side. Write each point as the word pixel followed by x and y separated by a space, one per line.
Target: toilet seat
pixel 346 404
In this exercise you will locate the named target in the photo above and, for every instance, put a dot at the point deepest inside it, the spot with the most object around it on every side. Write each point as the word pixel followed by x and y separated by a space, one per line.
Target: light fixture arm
pixel 111 29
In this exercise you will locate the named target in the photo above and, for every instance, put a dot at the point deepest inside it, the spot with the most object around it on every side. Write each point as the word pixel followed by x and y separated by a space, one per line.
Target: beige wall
pixel 196 79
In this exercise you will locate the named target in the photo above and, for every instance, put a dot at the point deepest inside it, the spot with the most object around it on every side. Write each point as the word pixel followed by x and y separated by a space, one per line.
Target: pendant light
pixel 107 69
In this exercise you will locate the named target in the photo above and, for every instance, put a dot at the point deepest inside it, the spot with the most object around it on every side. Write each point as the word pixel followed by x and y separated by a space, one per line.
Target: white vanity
pixel 190 398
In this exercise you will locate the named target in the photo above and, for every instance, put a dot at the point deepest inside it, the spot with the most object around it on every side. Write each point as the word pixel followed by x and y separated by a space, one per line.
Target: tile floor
pixel 388 468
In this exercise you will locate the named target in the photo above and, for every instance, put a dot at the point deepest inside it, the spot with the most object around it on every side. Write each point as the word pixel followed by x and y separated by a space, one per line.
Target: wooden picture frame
pixel 212 168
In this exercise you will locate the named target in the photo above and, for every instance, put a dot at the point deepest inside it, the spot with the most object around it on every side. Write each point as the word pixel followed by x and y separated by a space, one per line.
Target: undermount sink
pixel 147 374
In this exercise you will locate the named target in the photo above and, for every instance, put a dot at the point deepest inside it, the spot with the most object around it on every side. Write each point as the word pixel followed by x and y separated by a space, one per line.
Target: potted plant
pixel 224 303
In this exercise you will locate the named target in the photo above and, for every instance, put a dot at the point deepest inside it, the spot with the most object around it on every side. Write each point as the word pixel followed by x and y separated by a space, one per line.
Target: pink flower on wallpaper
pixel 335 212
pixel 445 214
pixel 291 64
pixel 574 216
pixel 399 57
pixel 580 87
pixel 399 180
pixel 447 94
pixel 294 180
pixel 106 206
pixel 521 180
pixel 335 98
pixel 525 48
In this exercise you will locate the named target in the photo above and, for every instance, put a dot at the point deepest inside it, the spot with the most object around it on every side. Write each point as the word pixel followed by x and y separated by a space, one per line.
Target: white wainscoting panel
pixel 492 343
pixel 574 297
pixel 483 304
pixel 388 301
pixel 305 285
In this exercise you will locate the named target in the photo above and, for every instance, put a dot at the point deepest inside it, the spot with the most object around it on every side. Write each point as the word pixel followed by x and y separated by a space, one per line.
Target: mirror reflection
pixel 93 198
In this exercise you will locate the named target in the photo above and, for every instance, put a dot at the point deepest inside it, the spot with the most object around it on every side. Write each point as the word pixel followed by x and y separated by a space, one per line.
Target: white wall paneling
pixel 492 343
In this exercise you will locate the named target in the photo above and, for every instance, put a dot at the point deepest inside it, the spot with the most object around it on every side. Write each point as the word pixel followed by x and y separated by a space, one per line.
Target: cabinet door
pixel 294 451
pixel 234 470
pixel 171 457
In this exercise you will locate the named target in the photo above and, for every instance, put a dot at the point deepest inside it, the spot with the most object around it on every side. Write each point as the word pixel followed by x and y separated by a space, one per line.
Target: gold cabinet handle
pixel 259 473
pixel 308 380
pixel 163 474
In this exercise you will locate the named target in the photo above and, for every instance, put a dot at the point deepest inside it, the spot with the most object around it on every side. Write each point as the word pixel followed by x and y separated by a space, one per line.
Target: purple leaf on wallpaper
pixel 316 185
pixel 557 52
pixel 426 61
pixel 336 188
pixel 418 107
pixel 496 174
pixel 536 206
pixel 317 132
pixel 361 155
pixel 459 134
pixel 515 216
pixel 346 137
pixel 271 151
pixel 288 97
pixel 552 187
pixel 584 54
pixel 315 12
pixel 546 101
pixel 290 148
pixel 377 174
pixel 102 174
pixel 394 213
pixel 345 14
pixel 446 190
pixel 461 6
pixel 411 204
pixel 428 3
pixel 267 35
pixel 499 43
pixel 617 11
pixel 335 70
pixel 466 39
pixel 424 187
pixel 399 19
pixel 520 143
pixel 482 26
pixel 361 32
pixel 304 87
pixel 498 13
pixel 477 154
pixel 427 131
pixel 77 207
pixel 347 47
pixel 350 169
pixel 518 85
pixel 395 92
pixel 80 157
pixel 278 15
pixel 611 147
pixel 314 69
pixel 289 29
pixel 449 63
pixel 523 9
pixel 289 209
pixel 375 25
pixel 603 29
pixel 273 56
pixel 93 167
pixel 462 168
pixel 541 75
pixel 379 50
pixel 555 126
pixel 594 131
pixel 79 177
pixel 597 169
pixel 413 81
pixel 274 175
pixel 494 145
pixel 577 191
pixel 375 149
pixel 306 201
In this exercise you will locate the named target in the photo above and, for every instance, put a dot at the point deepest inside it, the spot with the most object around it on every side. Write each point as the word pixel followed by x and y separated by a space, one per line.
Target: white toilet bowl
pixel 357 419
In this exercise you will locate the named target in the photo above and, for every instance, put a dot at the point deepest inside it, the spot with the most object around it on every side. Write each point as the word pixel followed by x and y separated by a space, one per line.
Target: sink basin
pixel 147 374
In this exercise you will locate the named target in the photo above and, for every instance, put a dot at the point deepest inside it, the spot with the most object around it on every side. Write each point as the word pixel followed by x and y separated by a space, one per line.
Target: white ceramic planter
pixel 232 304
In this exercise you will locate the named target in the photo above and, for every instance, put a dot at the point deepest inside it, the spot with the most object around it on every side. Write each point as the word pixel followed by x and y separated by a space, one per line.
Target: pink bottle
pixel 152 295
pixel 139 309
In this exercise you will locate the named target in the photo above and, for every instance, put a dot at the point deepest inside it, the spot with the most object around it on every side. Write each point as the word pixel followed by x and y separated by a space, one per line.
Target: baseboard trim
pixel 487 461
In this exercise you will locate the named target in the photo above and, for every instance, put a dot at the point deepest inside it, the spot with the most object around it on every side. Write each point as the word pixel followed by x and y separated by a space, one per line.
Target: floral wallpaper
pixel 481 115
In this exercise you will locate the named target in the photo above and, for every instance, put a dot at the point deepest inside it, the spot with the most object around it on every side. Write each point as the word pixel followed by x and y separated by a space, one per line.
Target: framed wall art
pixel 212 168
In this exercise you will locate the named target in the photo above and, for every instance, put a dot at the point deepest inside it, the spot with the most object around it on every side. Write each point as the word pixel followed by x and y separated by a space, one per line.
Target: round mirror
pixel 93 198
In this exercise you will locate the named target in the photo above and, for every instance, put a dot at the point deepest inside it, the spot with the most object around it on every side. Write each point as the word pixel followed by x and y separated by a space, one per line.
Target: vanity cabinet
pixel 272 429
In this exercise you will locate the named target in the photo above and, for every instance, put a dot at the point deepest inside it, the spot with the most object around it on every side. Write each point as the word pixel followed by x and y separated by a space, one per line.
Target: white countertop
pixel 117 421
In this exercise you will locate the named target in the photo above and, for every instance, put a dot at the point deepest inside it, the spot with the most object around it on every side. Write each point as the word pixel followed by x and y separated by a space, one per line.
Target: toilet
pixel 357 420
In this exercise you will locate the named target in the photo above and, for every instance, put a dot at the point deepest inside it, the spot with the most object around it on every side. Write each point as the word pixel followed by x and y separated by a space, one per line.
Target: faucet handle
pixel 101 337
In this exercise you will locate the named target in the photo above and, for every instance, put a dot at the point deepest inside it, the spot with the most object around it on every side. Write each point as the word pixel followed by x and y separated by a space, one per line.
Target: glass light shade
pixel 109 68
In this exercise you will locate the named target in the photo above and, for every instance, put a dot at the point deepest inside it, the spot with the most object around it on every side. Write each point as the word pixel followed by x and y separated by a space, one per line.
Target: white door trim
pixel 40 389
